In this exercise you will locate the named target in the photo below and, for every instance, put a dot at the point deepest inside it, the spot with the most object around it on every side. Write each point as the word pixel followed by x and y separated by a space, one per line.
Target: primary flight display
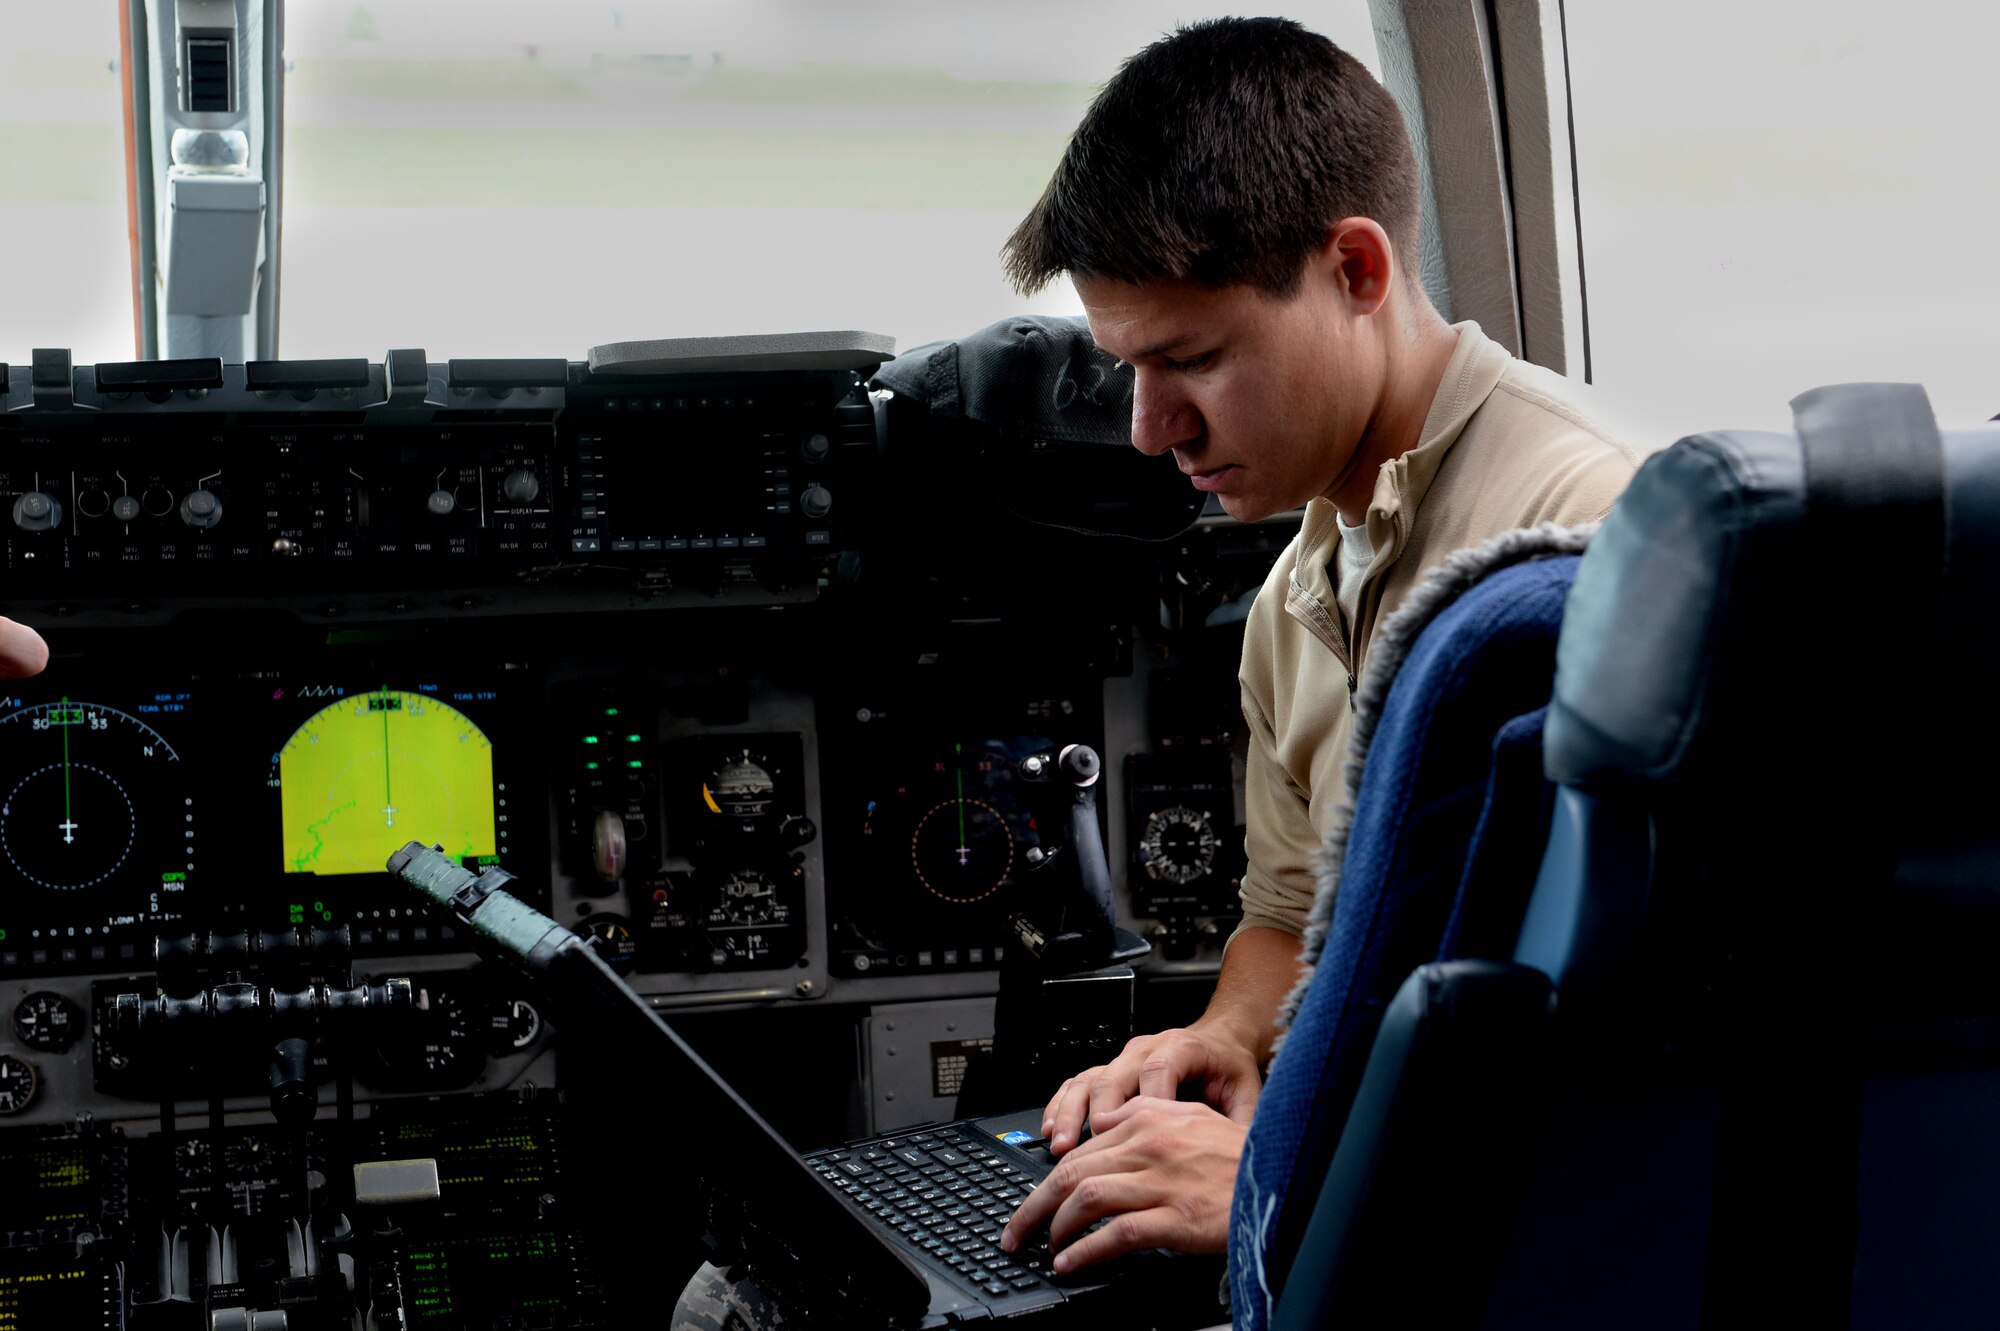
pixel 370 772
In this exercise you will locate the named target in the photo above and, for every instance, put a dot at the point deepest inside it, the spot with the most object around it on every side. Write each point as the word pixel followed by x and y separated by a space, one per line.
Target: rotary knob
pixel 201 509
pixel 441 503
pixel 521 486
pixel 816 501
pixel 815 448
pixel 35 511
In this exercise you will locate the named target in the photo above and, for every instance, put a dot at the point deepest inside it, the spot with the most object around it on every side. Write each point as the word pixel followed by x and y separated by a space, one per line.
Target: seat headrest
pixel 1703 606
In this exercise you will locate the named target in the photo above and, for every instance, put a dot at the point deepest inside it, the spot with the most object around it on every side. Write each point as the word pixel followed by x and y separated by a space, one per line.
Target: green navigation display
pixel 376 770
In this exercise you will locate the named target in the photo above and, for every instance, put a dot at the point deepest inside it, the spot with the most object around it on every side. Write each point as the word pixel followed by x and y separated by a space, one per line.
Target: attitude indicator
pixel 362 777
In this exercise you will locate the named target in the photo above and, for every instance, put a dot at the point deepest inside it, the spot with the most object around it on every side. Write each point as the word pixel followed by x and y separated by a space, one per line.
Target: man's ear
pixel 1360 262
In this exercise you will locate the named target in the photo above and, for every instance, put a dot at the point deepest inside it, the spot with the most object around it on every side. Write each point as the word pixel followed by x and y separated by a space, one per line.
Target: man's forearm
pixel 1258 970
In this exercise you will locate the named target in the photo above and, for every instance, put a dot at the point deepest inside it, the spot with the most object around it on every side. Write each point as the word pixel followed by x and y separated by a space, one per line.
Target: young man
pixel 1238 211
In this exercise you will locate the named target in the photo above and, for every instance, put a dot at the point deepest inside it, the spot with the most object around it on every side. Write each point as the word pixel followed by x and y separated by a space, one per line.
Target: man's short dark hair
pixel 1221 154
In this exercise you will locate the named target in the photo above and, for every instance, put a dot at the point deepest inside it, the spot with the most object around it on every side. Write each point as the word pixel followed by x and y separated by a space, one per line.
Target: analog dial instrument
pixel 1178 844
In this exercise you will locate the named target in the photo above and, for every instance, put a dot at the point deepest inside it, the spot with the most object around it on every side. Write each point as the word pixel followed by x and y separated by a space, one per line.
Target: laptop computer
pixel 899 1230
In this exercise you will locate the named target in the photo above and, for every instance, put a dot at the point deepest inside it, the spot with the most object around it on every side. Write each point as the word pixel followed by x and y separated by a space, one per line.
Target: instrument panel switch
pixel 607 845
pixel 35 511
pixel 521 486
pixel 201 509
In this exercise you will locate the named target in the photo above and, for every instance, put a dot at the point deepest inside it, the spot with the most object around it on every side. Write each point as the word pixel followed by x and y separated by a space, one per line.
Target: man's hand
pixel 1223 1052
pixel 1157 1065
pixel 1163 1170
pixel 22 651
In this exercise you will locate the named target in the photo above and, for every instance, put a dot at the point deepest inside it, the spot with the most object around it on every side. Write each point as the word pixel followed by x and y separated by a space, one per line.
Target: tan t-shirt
pixel 1503 446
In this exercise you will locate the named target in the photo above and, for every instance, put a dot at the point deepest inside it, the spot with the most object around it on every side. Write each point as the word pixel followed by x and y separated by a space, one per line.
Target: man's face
pixel 1261 399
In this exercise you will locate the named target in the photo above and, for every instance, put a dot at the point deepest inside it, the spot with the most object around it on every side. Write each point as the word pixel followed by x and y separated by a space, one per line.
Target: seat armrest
pixel 1430 1158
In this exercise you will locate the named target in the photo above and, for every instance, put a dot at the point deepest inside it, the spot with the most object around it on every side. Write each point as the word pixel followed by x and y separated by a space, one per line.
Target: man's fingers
pixel 1096 1196
pixel 1105 1097
pixel 1063 1126
pixel 22 651
pixel 1039 1207
pixel 1155 1227
pixel 1035 1211
pixel 1050 1115
pixel 1237 1098
pixel 1171 1063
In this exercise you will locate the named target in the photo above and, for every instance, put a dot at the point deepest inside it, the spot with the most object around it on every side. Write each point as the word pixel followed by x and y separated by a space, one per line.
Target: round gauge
pixel 746 896
pixel 47 1021
pixel 753 916
pixel 17 1084
pixel 363 777
pixel 742 785
pixel 514 1025
pixel 1178 844
pixel 191 1157
pixel 443 1041
pixel 248 1157
pixel 614 940
pixel 90 796
pixel 962 849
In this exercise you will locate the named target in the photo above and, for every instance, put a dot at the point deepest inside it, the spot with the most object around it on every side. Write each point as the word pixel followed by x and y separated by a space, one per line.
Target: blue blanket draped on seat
pixel 1438 863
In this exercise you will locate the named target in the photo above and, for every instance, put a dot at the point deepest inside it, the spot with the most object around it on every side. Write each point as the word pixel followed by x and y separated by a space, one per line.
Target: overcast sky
pixel 1804 187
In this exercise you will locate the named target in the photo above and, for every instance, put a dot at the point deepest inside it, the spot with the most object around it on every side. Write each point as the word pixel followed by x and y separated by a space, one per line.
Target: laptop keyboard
pixel 945 1193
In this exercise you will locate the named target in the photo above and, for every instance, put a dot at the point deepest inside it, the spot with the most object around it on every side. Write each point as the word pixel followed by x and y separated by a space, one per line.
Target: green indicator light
pixel 611 711
pixel 636 762
pixel 590 739
pixel 590 767
pixel 631 739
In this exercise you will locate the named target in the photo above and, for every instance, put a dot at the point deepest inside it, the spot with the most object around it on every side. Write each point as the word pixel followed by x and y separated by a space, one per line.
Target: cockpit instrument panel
pixel 357 763
pixel 107 792
pixel 934 833
pixel 98 821
pixel 362 772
